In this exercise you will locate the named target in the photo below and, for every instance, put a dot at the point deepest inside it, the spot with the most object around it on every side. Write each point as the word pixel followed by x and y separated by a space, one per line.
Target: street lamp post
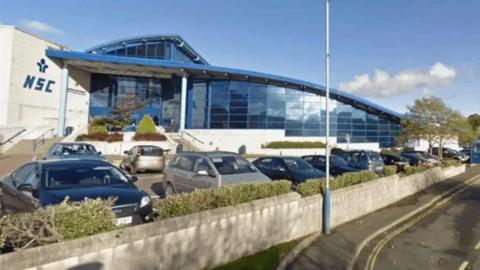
pixel 326 195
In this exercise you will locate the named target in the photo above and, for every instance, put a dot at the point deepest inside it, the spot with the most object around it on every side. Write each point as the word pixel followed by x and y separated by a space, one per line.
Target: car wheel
pixel 169 190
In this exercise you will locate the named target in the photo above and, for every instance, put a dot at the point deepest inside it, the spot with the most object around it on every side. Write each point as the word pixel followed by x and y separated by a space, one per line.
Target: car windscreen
pixel 63 176
pixel 232 165
pixel 77 149
pixel 338 161
pixel 151 151
pixel 374 156
pixel 297 164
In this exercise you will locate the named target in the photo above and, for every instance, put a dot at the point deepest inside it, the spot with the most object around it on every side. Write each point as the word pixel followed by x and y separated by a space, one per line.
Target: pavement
pixel 445 237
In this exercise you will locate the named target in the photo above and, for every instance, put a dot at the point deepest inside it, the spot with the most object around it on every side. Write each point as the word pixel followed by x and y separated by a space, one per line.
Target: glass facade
pixel 160 97
pixel 230 104
pixel 161 49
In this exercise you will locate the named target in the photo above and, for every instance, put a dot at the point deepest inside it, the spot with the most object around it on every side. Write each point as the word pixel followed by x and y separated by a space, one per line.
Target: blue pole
pixel 326 211
pixel 326 195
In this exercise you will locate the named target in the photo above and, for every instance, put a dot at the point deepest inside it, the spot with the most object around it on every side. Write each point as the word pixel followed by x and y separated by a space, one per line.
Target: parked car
pixel 49 182
pixel 364 160
pixel 188 171
pixel 144 158
pixel 337 164
pixel 450 153
pixel 73 151
pixel 397 160
pixel 416 159
pixel 432 160
pixel 294 169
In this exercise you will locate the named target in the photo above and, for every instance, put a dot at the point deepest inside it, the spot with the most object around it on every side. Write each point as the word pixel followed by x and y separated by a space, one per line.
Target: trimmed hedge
pixel 104 137
pixel 97 129
pixel 289 144
pixel 451 162
pixel 414 169
pixel 146 125
pixel 68 220
pixel 390 170
pixel 229 195
pixel 149 137
pixel 2 237
pixel 312 187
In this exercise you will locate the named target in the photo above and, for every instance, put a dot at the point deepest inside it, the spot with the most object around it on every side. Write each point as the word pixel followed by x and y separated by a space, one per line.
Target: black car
pixel 416 159
pixel 397 160
pixel 42 183
pixel 337 164
pixel 290 168
pixel 450 153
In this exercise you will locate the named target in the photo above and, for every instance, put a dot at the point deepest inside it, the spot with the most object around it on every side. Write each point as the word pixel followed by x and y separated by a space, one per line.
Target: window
pixel 202 165
pixel 186 163
pixel 23 172
pixel 232 165
pixel 296 164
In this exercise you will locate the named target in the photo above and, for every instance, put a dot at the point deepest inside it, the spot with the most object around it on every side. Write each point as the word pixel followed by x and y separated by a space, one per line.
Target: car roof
pixel 209 154
pixel 72 161
pixel 72 143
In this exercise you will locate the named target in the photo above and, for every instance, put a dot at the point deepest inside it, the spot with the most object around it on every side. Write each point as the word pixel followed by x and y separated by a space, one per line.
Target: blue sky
pixel 408 48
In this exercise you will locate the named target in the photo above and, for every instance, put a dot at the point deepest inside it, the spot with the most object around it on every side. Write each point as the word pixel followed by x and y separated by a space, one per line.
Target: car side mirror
pixel 25 188
pixel 99 153
pixel 133 179
pixel 203 173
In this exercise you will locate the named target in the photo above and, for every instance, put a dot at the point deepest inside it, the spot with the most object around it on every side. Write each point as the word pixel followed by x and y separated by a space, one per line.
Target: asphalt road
pixel 447 238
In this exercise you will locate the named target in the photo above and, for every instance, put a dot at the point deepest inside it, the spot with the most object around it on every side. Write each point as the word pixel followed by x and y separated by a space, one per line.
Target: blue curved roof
pixel 119 43
pixel 216 72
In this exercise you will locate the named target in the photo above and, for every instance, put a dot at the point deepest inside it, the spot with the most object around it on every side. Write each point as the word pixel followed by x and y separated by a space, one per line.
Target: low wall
pixel 211 238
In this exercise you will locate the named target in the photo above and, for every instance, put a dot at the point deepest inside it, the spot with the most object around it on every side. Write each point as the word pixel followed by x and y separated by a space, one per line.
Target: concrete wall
pixel 211 238
pixel 6 51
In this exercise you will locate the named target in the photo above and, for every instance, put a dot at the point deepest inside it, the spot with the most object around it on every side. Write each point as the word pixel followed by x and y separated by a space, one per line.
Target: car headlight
pixel 145 201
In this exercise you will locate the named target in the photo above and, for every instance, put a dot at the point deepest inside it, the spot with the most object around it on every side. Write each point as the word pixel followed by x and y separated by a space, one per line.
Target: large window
pixel 229 104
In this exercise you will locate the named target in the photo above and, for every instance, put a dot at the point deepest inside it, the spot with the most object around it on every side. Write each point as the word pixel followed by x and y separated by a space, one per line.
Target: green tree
pixel 474 121
pixel 146 125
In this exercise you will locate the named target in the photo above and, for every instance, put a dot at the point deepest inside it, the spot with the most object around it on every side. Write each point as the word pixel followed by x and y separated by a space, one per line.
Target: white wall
pixel 422 145
pixel 6 45
pixel 78 98
pixel 232 139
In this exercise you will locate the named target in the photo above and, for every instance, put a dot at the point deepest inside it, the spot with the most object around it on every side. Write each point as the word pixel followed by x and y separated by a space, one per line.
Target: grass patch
pixel 267 259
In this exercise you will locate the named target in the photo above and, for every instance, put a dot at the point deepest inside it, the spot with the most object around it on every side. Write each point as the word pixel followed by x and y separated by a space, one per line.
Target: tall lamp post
pixel 326 195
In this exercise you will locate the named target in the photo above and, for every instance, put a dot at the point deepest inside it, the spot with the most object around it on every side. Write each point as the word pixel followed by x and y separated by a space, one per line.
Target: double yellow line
pixel 372 258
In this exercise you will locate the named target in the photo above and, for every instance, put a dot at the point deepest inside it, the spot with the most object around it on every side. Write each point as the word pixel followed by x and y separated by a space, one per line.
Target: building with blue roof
pixel 183 92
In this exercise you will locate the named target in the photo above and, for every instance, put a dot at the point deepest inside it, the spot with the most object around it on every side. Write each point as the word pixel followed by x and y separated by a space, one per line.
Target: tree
pixel 474 121
pixel 126 106
pixel 430 119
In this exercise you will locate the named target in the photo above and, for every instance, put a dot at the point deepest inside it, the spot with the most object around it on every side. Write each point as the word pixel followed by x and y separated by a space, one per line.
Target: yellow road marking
pixel 477 246
pixel 463 266
pixel 373 256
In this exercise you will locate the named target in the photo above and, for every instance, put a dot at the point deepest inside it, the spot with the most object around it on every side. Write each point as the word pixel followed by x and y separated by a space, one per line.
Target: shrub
pixel 409 170
pixel 451 162
pixel 390 170
pixel 104 137
pixel 99 121
pixel 289 144
pixel 312 187
pixel 391 151
pixel 149 137
pixel 97 129
pixel 206 199
pixel 146 125
pixel 56 223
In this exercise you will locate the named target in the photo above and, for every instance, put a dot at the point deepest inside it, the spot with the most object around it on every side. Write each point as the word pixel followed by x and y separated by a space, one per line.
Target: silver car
pixel 74 150
pixel 143 158
pixel 188 171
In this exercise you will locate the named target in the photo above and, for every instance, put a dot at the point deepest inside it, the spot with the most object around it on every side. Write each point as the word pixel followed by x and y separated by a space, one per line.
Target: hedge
pixel 104 137
pixel 294 144
pixel 2 237
pixel 149 137
pixel 229 195
pixel 312 187
pixel 451 162
pixel 97 129
pixel 146 125
pixel 68 220
pixel 414 169
pixel 390 170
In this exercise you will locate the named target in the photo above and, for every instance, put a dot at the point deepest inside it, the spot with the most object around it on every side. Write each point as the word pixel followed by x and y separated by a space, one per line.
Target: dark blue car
pixel 42 183
pixel 337 164
pixel 289 168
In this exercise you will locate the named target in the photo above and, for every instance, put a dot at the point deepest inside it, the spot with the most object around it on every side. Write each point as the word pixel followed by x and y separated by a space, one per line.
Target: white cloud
pixel 40 27
pixel 382 84
pixel 427 92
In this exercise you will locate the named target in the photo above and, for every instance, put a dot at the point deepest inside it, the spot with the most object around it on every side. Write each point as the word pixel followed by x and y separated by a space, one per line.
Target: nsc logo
pixel 39 83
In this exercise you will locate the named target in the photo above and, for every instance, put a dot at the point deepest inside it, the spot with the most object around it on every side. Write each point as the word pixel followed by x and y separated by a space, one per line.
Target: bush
pixel 312 187
pixel 206 199
pixel 288 144
pixel 391 151
pixel 149 137
pixel 147 125
pixel 409 170
pixel 451 162
pixel 97 129
pixel 57 223
pixel 390 170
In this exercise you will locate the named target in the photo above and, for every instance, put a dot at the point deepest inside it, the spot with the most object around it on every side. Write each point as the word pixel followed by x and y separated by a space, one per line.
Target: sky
pixel 389 52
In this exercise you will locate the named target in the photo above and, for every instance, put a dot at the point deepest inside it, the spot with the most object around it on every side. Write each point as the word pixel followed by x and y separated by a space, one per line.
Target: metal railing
pixel 40 140
pixel 13 137
pixel 191 136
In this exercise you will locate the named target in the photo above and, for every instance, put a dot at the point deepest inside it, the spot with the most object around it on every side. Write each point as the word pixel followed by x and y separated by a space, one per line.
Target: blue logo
pixel 42 65
pixel 39 83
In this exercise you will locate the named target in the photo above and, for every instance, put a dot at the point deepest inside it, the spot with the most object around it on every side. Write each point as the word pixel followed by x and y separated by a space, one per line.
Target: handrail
pixel 13 137
pixel 41 138
pixel 191 136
